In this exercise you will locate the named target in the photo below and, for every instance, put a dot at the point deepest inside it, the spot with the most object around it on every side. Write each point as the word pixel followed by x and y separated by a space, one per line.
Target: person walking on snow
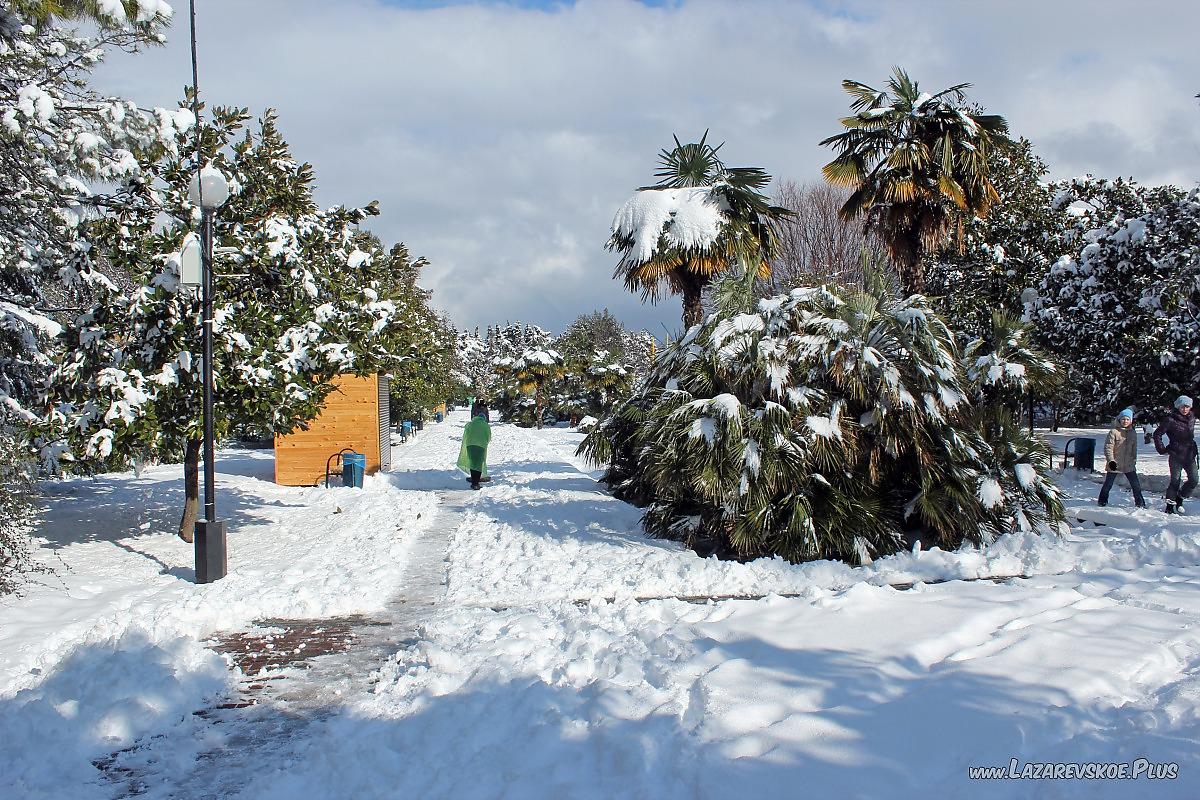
pixel 1120 451
pixel 1180 448
pixel 472 456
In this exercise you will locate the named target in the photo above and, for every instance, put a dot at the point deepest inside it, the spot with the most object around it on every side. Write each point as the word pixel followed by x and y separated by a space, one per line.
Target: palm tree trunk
pixel 693 291
pixel 537 405
pixel 916 284
pixel 905 250
pixel 191 489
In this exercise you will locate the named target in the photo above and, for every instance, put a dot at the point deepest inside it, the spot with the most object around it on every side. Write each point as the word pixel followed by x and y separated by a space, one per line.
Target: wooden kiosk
pixel 356 415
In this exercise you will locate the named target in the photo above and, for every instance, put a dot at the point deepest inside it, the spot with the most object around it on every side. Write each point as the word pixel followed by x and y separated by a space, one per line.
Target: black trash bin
pixel 1084 453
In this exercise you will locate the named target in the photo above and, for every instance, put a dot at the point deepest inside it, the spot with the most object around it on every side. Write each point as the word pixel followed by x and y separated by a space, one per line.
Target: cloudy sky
pixel 500 137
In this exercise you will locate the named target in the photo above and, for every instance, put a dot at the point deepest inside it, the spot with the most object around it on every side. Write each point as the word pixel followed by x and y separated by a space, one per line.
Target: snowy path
pixel 277 705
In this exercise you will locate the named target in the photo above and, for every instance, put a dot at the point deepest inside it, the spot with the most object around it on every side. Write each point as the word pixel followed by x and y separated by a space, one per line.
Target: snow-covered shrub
pixel 826 423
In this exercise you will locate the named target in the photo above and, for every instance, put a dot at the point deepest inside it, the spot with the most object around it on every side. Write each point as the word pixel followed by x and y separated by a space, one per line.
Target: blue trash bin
pixel 354 466
pixel 405 430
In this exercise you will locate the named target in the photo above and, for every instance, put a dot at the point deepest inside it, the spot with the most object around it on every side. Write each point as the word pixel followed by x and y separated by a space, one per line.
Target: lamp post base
pixel 211 562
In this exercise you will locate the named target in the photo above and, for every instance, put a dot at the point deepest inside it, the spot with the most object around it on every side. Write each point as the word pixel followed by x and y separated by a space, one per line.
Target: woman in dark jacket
pixel 1180 448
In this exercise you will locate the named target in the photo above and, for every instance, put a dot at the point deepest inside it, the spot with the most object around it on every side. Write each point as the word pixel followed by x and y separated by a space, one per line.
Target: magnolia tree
pixel 997 258
pixel 421 341
pixel 601 331
pixel 297 302
pixel 828 423
pixel 59 142
pixel 588 333
pixel 1122 307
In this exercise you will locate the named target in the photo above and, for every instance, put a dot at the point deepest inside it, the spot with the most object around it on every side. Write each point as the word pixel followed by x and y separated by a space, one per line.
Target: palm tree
pixel 605 380
pixel 894 436
pixel 700 220
pixel 914 162
pixel 535 371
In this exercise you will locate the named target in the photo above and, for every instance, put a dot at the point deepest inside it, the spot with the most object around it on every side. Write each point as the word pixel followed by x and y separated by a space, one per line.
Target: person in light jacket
pixel 1120 451
pixel 1180 449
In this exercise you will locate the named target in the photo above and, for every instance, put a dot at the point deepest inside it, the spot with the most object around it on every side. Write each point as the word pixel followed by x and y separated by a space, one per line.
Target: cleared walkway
pixel 298 673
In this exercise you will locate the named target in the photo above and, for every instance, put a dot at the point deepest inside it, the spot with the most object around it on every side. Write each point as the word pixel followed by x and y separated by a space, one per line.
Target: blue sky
pixel 500 139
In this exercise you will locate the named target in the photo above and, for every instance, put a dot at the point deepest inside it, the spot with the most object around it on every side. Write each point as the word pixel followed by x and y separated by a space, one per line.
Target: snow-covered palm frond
pixel 700 220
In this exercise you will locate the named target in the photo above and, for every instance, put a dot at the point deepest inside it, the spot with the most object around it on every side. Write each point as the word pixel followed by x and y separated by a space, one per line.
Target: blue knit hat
pixel 1182 400
pixel 1126 412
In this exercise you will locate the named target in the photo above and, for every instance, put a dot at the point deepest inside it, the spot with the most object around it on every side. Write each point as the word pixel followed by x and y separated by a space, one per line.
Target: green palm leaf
pixel 915 163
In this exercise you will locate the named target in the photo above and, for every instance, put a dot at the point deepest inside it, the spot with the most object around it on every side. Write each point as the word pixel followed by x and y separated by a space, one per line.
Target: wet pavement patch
pixel 276 644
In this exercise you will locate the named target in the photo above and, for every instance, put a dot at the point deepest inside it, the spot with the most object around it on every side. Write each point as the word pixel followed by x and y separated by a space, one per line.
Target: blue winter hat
pixel 1125 412
pixel 1182 400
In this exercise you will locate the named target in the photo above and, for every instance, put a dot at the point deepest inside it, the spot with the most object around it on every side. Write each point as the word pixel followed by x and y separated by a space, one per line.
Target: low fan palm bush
pixel 827 423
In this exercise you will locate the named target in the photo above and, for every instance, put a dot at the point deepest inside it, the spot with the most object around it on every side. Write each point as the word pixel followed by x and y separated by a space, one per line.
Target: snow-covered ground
pixel 109 649
pixel 572 657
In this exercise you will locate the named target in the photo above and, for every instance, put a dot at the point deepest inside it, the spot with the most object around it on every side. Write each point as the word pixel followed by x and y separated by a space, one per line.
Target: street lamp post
pixel 209 190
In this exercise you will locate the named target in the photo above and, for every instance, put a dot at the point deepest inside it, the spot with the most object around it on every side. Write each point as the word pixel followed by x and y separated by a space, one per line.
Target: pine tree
pixel 475 366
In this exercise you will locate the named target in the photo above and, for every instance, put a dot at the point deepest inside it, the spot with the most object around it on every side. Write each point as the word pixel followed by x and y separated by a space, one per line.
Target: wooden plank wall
pixel 350 418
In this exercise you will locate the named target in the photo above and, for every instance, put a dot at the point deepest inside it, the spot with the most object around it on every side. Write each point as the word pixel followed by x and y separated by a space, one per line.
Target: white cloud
pixel 501 140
